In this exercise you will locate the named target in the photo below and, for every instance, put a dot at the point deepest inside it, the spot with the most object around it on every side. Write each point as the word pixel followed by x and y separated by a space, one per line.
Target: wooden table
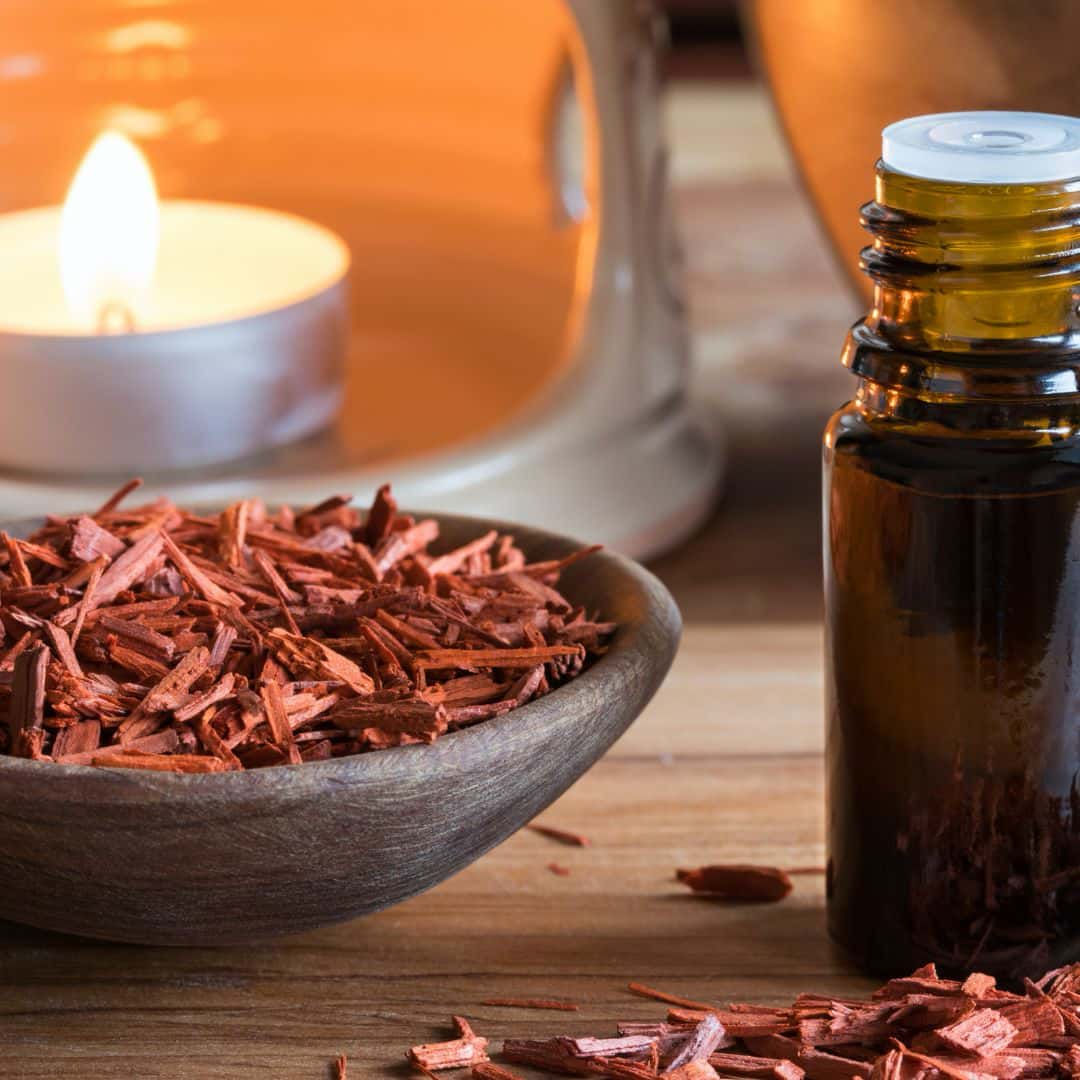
pixel 724 766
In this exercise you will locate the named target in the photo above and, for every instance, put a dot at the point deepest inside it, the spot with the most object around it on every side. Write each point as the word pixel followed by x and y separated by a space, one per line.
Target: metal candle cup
pixel 240 346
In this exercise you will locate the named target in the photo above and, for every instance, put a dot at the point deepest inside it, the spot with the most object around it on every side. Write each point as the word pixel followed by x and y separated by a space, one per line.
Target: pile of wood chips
pixel 157 638
pixel 920 1027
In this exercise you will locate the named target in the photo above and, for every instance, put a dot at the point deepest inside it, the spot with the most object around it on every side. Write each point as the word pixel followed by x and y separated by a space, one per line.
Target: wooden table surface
pixel 725 765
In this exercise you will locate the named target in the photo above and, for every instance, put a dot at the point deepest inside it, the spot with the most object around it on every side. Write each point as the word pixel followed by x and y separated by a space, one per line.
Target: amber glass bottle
pixel 952 558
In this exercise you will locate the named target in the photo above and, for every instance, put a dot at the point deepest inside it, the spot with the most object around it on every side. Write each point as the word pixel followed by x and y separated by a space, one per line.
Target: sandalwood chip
pixel 738 882
pixel 467 1050
pixel 550 1054
pixel 982 1033
pixel 118 496
pixel 83 737
pixel 129 568
pixel 700 1043
pixel 181 763
pixel 171 690
pixel 16 563
pixel 1034 1021
pixel 563 836
pixel 672 999
pixel 278 719
pixel 614 1046
pixel 486 1070
pixel 155 638
pixel 27 705
pixel 89 541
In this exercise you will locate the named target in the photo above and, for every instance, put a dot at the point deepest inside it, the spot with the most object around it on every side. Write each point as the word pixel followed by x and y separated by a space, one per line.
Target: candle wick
pixel 115 317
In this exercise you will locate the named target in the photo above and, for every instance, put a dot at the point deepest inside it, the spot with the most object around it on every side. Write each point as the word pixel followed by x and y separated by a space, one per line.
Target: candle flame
pixel 109 235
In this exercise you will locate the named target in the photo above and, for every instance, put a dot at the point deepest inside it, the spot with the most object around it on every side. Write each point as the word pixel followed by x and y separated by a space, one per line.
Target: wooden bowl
pixel 232 857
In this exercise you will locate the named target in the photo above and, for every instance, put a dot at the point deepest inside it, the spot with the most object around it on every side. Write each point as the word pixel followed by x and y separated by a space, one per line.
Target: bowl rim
pixel 660 623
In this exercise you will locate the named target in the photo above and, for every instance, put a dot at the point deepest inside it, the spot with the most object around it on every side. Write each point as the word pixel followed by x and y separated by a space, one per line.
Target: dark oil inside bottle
pixel 952 572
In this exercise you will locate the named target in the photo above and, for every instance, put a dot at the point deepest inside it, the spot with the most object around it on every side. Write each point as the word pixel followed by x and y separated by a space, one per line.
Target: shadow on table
pixel 758 559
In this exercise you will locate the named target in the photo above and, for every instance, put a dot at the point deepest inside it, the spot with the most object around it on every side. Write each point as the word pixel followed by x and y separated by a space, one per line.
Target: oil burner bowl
pixel 228 858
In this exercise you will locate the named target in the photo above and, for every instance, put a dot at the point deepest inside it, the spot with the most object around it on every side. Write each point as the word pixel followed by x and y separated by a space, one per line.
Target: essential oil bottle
pixel 952 557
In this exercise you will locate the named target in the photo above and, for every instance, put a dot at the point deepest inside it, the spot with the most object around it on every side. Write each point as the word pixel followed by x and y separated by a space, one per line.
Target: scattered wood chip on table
pixel 766 884
pixel 920 1027
pixel 161 639
pixel 562 836
pixel 466 1050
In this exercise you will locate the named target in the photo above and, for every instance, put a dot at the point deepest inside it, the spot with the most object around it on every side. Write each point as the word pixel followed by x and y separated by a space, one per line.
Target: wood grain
pixel 724 764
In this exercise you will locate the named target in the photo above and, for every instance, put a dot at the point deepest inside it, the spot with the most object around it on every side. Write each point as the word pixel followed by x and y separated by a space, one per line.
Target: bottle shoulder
pixel 933 458
pixel 846 422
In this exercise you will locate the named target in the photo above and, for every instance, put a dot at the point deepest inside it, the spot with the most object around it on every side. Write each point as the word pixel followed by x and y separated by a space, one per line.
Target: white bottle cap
pixel 985 147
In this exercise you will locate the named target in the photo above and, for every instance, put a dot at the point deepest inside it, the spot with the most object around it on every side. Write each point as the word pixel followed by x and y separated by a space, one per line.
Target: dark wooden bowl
pixel 232 857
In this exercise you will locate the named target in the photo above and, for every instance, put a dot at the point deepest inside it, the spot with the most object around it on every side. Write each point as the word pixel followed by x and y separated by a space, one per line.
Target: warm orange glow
pixel 457 172
pixel 109 232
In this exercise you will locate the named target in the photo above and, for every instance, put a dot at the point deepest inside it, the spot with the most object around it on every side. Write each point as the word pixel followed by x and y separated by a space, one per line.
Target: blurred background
pixel 579 251
pixel 768 306
pixel 707 39
pixel 775 111
pixel 602 269
pixel 603 252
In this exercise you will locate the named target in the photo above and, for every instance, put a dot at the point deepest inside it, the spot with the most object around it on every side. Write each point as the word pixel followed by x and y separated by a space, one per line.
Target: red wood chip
pixel 118 496
pixel 27 708
pixel 590 1046
pixel 486 1070
pixel 467 1050
pixel 1034 1021
pixel 89 541
pixel 81 738
pixel 982 1032
pixel 738 882
pixel 181 763
pixel 129 569
pixel 584 1056
pixel 564 836
pixel 17 567
pixel 1070 1064
pixel 699 1044
pixel 282 733
pixel 671 999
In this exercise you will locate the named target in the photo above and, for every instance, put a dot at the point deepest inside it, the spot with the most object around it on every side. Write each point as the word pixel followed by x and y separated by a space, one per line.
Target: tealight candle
pixel 140 336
